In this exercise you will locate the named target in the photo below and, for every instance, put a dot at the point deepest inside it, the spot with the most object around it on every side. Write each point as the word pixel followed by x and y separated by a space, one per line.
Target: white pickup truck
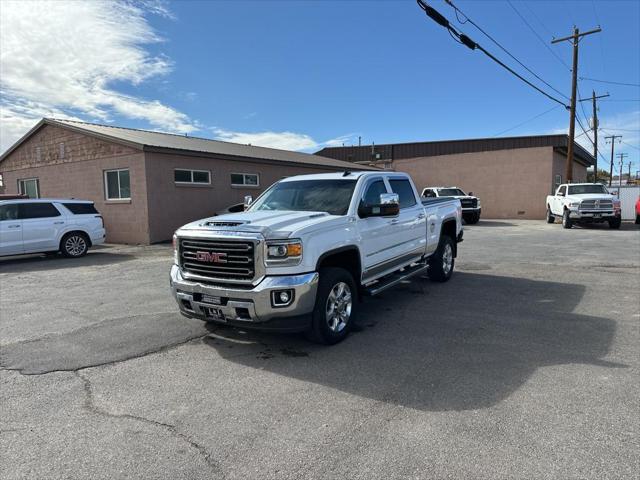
pixel 305 252
pixel 583 203
pixel 471 208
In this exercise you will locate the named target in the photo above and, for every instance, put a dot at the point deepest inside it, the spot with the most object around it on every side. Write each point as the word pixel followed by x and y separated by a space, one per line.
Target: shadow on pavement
pixel 54 261
pixel 490 223
pixel 467 344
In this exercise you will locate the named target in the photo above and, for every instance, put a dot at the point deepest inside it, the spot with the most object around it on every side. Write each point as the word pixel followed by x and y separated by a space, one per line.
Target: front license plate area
pixel 597 215
pixel 215 313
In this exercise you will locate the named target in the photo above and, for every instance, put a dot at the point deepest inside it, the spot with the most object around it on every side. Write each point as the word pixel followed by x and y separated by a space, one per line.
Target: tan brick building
pixel 146 184
pixel 512 175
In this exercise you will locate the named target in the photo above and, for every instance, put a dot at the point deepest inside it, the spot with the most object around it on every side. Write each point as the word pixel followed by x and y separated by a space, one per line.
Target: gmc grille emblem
pixel 211 257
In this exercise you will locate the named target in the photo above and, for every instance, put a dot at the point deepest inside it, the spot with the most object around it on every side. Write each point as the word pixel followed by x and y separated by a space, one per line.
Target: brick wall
pixel 79 173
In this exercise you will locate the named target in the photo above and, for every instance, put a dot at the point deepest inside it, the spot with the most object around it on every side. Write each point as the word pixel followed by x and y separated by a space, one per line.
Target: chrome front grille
pixel 596 204
pixel 223 260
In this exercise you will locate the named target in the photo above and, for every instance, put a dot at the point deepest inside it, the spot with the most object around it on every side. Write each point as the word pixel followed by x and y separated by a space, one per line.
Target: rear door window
pixel 9 212
pixel 405 192
pixel 81 208
pixel 37 210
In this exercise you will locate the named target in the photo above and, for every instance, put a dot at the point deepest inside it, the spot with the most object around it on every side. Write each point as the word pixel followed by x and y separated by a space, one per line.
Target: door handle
pixel 13 226
pixel 58 223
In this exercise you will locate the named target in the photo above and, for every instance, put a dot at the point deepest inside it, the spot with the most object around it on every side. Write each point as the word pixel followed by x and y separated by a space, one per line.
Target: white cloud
pixel 283 140
pixel 60 58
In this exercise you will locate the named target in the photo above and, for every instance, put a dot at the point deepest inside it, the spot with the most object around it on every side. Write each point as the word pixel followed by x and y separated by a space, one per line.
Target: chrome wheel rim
pixel 339 305
pixel 447 259
pixel 75 245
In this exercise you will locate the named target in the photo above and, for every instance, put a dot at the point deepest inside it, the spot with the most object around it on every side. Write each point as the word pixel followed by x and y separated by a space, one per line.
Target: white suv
pixel 49 225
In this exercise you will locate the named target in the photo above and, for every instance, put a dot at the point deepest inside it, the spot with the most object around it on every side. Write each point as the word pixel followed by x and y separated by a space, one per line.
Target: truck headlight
pixel 283 253
pixel 574 204
pixel 175 249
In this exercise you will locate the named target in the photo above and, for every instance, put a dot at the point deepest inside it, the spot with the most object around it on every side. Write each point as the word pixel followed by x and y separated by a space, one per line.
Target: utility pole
pixel 621 156
pixel 575 39
pixel 595 130
pixel 613 141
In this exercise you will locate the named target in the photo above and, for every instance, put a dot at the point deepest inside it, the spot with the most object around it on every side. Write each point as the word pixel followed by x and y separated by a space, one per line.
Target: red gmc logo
pixel 211 257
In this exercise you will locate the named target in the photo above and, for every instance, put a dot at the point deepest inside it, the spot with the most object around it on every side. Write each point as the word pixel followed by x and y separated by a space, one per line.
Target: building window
pixel 245 180
pixel 1 181
pixel 558 181
pixel 29 187
pixel 61 146
pixel 117 185
pixel 201 177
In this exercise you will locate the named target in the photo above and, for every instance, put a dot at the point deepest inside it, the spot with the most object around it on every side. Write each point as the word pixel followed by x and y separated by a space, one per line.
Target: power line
pixel 469 43
pixel 611 82
pixel 526 121
pixel 457 10
pixel 538 36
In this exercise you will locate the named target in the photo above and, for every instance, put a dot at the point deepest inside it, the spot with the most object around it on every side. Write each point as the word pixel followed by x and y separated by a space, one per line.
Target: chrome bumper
pixel 251 306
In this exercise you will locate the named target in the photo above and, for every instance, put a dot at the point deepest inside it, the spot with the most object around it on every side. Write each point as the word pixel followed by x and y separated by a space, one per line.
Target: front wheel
pixel 442 262
pixel 472 218
pixel 566 220
pixel 336 307
pixel 615 223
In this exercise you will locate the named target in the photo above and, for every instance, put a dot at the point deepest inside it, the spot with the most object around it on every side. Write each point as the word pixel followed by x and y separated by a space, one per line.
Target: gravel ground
pixel 525 365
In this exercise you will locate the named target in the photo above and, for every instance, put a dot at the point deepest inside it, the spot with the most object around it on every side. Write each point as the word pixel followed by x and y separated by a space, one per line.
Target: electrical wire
pixel 538 36
pixel 527 121
pixel 612 83
pixel 457 10
pixel 468 42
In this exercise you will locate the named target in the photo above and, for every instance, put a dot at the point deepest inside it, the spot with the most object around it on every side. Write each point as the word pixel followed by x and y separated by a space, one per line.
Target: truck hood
pixel 589 196
pixel 271 224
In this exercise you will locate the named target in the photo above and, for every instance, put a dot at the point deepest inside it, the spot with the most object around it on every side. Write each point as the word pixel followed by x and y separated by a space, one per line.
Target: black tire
pixel 74 245
pixel 471 219
pixel 442 262
pixel 328 328
pixel 550 217
pixel 637 219
pixel 566 220
pixel 615 224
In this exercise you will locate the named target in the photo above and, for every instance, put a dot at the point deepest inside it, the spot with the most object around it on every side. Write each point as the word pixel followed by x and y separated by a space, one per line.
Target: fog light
pixel 281 298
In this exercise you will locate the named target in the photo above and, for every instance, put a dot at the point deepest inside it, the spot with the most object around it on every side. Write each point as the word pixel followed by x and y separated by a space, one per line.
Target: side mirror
pixel 389 206
pixel 248 200
pixel 560 194
pixel 470 194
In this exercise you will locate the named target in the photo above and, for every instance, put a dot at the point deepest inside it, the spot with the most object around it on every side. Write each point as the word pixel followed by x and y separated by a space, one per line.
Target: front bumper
pixel 472 210
pixel 593 216
pixel 248 307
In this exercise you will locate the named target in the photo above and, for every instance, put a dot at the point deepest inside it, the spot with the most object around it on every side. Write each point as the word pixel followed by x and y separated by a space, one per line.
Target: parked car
pixel 583 203
pixel 471 208
pixel 49 225
pixel 638 211
pixel 308 248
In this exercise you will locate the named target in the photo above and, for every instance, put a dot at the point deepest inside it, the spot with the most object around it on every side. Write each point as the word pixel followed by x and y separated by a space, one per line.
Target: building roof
pixel 172 143
pixel 369 153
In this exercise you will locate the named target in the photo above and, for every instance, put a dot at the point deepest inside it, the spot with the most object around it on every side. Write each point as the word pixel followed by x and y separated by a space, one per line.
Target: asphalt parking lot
pixel 525 365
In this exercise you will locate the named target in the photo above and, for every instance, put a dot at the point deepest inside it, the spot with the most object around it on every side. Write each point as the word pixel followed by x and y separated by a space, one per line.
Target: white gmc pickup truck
pixel 583 203
pixel 304 253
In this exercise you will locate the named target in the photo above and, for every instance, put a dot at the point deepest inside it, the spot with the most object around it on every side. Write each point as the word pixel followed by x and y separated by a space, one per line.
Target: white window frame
pixel 558 180
pixel 35 179
pixel 249 185
pixel 191 171
pixel 106 185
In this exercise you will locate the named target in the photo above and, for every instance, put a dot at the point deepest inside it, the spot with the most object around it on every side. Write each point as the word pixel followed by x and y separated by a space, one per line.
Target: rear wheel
pixel 550 217
pixel 442 261
pixel 637 219
pixel 471 218
pixel 336 307
pixel 615 223
pixel 74 245
pixel 566 220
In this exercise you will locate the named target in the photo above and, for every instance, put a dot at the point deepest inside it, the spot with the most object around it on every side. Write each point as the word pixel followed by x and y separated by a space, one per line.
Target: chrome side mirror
pixel 248 200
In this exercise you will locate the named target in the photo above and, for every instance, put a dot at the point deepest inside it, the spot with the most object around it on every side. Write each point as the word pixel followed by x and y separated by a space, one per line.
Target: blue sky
pixel 303 75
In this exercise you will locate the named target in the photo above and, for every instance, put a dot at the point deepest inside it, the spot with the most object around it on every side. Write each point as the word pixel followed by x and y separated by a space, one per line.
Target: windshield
pixel 451 192
pixel 331 196
pixel 578 189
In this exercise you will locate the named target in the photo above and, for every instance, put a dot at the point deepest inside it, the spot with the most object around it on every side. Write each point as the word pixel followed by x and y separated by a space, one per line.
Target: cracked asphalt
pixel 525 365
